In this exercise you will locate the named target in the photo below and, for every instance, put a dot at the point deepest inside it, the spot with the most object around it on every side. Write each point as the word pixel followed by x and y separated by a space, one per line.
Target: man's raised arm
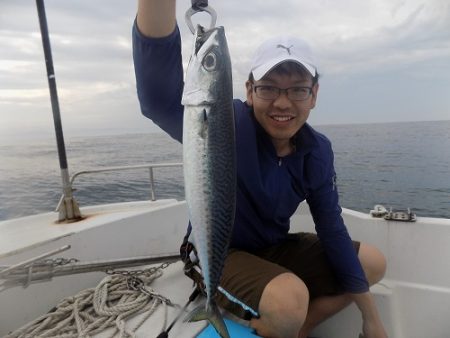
pixel 156 18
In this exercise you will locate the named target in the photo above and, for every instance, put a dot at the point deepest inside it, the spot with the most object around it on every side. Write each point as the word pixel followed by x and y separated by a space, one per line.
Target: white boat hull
pixel 413 298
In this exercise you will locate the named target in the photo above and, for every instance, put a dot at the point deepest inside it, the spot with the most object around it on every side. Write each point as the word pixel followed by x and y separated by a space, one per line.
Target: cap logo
pixel 288 49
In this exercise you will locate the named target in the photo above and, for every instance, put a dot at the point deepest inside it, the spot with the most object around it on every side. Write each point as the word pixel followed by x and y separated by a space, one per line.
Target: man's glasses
pixel 272 93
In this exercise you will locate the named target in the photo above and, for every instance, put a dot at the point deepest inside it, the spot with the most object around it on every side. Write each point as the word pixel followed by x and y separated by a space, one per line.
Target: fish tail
pixel 213 315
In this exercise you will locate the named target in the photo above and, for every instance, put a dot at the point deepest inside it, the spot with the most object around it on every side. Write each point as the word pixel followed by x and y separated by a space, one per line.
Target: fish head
pixel 208 75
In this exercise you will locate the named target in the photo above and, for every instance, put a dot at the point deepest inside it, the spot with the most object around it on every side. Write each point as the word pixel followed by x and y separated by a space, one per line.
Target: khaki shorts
pixel 246 275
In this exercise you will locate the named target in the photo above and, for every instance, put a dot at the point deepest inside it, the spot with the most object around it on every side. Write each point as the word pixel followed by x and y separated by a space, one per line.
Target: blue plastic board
pixel 235 330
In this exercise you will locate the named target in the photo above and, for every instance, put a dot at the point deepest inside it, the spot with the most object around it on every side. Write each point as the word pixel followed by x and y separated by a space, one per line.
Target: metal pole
pixel 152 187
pixel 69 210
pixel 33 260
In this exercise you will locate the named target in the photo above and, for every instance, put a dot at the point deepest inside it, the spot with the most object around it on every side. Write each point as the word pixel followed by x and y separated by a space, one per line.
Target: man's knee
pixel 283 307
pixel 373 262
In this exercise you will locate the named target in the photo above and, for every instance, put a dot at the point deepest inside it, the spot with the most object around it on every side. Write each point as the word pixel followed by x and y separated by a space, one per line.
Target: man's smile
pixel 281 118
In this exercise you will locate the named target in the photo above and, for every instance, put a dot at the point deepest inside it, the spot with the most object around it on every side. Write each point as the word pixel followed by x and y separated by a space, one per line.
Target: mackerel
pixel 210 161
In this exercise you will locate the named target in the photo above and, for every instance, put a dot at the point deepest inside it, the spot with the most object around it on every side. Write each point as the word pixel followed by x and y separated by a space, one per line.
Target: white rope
pixel 93 310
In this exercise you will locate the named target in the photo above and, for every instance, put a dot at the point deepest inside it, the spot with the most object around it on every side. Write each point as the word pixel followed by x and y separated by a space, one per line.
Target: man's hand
pixel 373 329
pixel 372 325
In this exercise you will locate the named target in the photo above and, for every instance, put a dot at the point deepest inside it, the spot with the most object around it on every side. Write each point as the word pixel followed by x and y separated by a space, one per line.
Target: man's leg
pixel 283 307
pixel 321 308
pixel 274 299
pixel 282 300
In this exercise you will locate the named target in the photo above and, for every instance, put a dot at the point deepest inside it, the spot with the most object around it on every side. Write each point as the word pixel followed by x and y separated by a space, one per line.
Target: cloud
pixel 411 36
pixel 380 45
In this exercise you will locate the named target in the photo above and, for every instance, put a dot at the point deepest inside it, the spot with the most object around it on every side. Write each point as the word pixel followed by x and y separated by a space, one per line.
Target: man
pixel 285 284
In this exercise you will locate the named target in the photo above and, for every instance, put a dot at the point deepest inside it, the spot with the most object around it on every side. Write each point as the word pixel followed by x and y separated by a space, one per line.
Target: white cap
pixel 278 50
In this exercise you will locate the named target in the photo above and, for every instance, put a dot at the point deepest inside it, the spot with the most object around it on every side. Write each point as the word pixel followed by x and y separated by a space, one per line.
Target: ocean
pixel 399 165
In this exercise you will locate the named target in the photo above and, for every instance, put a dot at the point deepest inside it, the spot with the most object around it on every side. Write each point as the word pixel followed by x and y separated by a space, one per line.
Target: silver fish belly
pixel 210 160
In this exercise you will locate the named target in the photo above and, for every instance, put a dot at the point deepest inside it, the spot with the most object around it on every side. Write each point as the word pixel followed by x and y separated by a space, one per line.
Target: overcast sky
pixel 380 60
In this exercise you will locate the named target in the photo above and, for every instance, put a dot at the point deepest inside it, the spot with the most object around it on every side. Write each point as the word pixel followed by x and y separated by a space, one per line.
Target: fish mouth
pixel 203 35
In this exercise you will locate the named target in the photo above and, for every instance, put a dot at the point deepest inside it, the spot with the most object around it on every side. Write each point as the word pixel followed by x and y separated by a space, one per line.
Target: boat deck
pixel 416 284
pixel 25 233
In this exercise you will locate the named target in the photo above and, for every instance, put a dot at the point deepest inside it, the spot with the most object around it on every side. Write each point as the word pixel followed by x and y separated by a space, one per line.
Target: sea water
pixel 399 165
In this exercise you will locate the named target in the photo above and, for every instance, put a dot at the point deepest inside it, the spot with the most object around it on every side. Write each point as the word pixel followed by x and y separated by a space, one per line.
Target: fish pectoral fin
pixel 213 316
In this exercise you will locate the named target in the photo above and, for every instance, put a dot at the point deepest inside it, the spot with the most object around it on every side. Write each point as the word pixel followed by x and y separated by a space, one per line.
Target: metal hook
pixel 191 11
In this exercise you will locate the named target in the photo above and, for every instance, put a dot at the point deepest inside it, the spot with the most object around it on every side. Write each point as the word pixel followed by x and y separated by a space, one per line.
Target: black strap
pixel 186 246
pixel 191 269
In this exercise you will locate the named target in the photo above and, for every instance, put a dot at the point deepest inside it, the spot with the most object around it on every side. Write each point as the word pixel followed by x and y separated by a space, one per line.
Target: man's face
pixel 281 118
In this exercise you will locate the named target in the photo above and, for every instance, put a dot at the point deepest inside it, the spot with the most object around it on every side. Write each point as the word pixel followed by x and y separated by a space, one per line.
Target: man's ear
pixel 314 92
pixel 249 91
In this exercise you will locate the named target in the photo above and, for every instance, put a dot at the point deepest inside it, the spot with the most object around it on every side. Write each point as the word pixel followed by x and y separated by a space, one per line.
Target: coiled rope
pixel 93 310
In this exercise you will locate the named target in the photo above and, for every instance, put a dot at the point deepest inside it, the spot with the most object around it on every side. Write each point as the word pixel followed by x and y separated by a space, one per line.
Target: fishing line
pixel 194 294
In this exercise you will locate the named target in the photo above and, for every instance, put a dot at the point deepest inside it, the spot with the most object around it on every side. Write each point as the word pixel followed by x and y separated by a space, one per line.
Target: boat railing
pixel 150 167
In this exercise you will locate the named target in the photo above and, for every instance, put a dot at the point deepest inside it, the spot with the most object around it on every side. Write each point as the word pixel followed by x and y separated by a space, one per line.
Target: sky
pixel 380 60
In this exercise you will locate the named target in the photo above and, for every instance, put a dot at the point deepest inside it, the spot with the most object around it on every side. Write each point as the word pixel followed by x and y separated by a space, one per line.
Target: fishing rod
pixel 68 210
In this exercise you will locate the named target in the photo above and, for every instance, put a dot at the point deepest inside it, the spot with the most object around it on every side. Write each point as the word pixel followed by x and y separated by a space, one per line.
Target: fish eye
pixel 209 62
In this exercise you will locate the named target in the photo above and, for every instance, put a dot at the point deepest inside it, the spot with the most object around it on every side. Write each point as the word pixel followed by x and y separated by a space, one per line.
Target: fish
pixel 209 161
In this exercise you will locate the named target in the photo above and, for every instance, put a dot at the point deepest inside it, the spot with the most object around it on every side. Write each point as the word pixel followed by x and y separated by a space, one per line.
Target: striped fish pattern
pixel 210 160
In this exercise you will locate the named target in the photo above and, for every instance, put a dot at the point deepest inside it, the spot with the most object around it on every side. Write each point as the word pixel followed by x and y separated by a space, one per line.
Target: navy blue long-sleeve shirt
pixel 269 188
